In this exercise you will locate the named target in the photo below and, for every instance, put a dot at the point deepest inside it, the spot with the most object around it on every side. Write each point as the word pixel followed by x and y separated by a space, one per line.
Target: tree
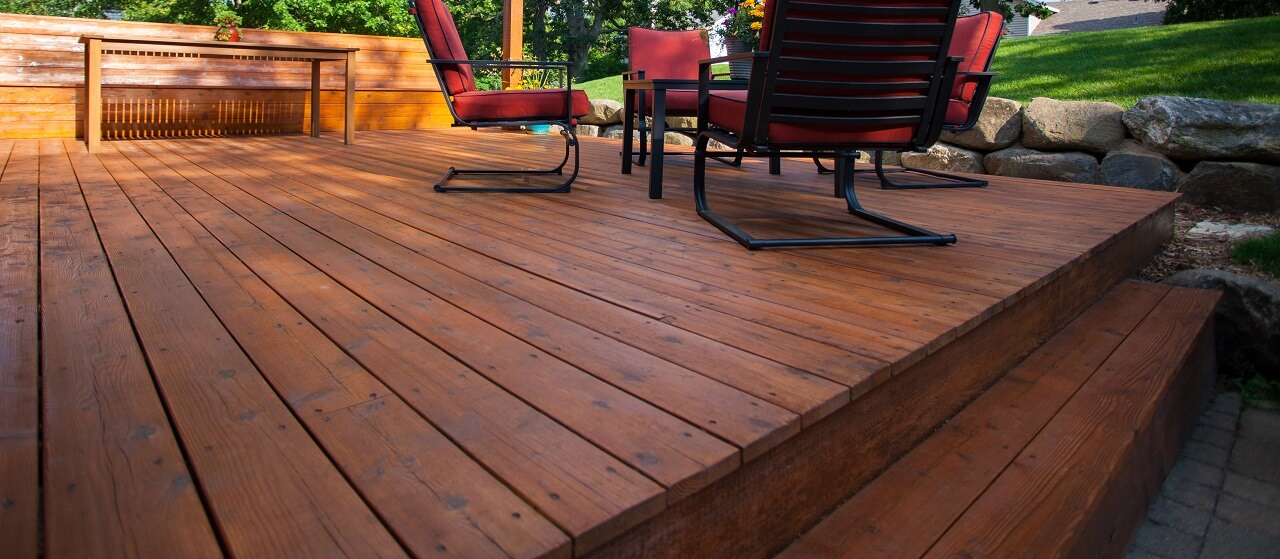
pixel 1008 8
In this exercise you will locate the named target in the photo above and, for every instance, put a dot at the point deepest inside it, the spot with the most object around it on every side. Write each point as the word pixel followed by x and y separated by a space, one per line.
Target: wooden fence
pixel 42 83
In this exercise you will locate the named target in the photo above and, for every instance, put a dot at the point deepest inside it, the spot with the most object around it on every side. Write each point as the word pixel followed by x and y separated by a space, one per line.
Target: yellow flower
pixel 757 12
pixel 756 25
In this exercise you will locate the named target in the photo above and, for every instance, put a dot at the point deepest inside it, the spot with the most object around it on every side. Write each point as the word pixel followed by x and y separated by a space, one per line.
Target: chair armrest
pixel 734 57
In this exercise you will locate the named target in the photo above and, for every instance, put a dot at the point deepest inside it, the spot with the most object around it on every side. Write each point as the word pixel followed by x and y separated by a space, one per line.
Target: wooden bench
pixel 1059 458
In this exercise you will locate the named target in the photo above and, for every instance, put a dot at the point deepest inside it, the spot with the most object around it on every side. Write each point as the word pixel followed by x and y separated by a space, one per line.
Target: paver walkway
pixel 1101 15
pixel 1222 499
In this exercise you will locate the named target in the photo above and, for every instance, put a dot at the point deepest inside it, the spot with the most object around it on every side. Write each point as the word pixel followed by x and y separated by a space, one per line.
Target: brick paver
pixel 1222 498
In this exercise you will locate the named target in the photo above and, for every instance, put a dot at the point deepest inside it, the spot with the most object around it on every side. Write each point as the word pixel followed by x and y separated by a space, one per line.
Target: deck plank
pixel 588 493
pixel 243 443
pixel 1103 425
pixel 435 498
pixel 904 511
pixel 672 452
pixel 116 480
pixel 19 355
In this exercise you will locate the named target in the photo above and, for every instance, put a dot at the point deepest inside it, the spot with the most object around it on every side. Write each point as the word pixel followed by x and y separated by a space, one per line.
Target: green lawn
pixel 1235 60
pixel 1230 60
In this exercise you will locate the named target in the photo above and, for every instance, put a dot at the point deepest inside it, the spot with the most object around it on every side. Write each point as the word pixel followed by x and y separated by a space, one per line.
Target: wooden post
pixel 349 111
pixel 512 38
pixel 315 98
pixel 92 93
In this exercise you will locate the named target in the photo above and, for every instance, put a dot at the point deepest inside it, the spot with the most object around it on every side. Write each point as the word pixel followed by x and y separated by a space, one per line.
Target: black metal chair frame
pixel 950 181
pixel 567 130
pixel 642 127
pixel 753 140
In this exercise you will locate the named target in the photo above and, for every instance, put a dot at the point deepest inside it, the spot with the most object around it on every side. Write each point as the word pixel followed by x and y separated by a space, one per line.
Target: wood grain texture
pixel 19 353
pixel 1095 445
pixel 907 508
pixel 116 483
pixel 437 500
pixel 595 373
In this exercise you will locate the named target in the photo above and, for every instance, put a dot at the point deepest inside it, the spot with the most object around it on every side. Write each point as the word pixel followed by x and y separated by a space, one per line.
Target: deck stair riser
pixel 1059 458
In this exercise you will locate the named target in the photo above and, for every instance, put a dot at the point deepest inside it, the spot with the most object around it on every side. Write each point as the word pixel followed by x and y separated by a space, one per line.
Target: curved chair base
pixel 570 144
pixel 911 235
pixel 951 181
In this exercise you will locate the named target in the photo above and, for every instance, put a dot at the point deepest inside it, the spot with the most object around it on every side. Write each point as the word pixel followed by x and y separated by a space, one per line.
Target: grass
pixel 1263 253
pixel 1236 60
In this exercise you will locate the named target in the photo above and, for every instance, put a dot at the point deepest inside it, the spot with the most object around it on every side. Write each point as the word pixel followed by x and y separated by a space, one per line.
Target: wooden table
pixel 658 88
pixel 95 47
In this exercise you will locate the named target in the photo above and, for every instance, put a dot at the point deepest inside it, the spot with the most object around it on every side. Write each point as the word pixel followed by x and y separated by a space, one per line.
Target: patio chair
pixel 975 40
pixel 832 77
pixel 476 109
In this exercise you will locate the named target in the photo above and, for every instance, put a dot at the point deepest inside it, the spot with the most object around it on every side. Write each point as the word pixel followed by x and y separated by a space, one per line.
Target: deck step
pixel 1059 458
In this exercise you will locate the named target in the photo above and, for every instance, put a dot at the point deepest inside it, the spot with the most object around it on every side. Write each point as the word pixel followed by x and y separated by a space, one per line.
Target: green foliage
pixel 1186 11
pixel 1263 253
pixel 1258 388
pixel 1008 8
pixel 1228 60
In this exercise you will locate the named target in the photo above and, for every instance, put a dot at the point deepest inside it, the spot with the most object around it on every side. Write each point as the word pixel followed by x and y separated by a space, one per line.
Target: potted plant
pixel 740 31
pixel 228 26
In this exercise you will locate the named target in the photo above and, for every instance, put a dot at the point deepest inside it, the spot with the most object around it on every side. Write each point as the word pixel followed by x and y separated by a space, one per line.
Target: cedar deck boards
pixel 1078 437
pixel 287 346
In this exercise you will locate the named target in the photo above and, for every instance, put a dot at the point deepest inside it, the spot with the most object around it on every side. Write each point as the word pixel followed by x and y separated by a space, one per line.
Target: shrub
pixel 1185 11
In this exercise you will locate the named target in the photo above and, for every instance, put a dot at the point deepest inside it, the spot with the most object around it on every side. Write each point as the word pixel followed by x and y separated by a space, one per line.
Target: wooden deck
pixel 284 346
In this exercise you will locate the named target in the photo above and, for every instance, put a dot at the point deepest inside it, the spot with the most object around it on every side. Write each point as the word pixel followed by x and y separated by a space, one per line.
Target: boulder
pixel 1136 166
pixel 1018 161
pixel 676 139
pixel 615 132
pixel 588 130
pixel 869 157
pixel 682 122
pixel 1246 187
pixel 1197 129
pixel 1246 324
pixel 945 157
pixel 603 112
pixel 1090 126
pixel 998 127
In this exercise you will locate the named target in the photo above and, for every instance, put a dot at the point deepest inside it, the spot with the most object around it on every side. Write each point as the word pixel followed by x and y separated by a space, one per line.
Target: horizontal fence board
pixel 42 81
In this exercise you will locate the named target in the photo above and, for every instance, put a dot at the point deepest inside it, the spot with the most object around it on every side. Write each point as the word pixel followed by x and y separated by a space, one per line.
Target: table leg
pixel 349 122
pixel 628 107
pixel 657 134
pixel 93 95
pixel 315 98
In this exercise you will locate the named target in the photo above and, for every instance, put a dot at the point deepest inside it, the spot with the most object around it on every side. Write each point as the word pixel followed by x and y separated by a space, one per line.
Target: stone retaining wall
pixel 1216 153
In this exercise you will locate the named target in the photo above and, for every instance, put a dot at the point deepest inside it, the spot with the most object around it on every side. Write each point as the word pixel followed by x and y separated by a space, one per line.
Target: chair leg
pixel 951 181
pixel 570 144
pixel 844 183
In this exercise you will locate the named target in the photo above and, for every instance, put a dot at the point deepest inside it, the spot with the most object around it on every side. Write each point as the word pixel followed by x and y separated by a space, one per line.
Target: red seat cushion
pixel 727 109
pixel 680 102
pixel 523 104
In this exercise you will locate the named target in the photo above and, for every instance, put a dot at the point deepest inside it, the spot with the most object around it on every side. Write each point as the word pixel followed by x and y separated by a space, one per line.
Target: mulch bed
pixel 1189 252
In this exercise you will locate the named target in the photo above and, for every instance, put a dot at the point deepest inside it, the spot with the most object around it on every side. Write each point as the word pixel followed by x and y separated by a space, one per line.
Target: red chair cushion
pixel 443 42
pixel 516 105
pixel 727 109
pixel 667 54
pixel 974 38
pixel 680 102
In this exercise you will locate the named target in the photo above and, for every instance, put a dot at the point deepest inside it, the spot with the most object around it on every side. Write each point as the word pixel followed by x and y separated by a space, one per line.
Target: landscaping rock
pixel 1018 161
pixel 682 122
pixel 1136 166
pixel 676 139
pixel 1247 187
pixel 1246 324
pixel 1196 129
pixel 1089 126
pixel 998 127
pixel 615 132
pixel 890 157
pixel 588 130
pixel 603 111
pixel 945 157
